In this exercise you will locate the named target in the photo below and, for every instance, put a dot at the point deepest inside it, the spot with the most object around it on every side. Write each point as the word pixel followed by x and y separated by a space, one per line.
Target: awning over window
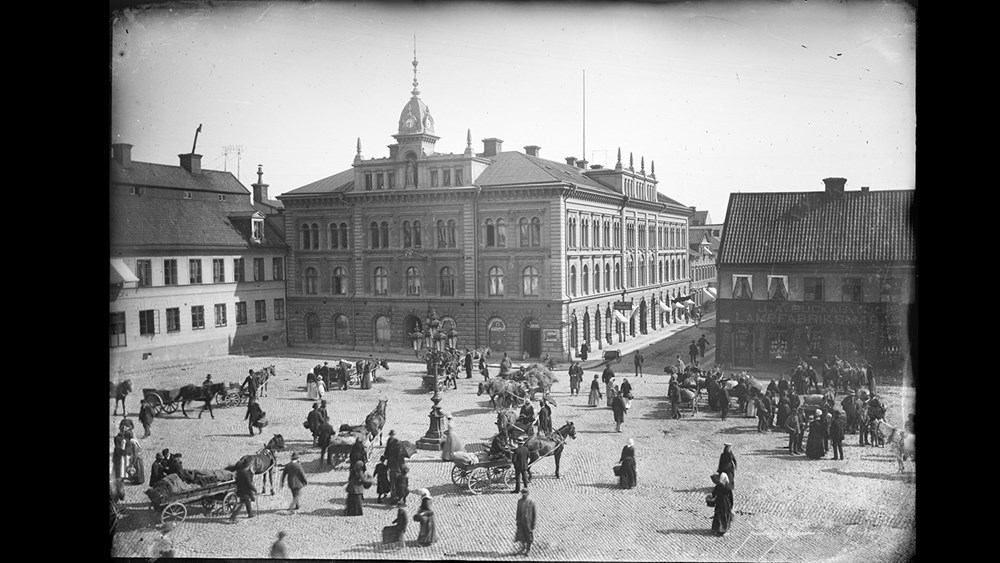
pixel 120 272
pixel 620 317
pixel 709 294
pixel 679 306
pixel 663 306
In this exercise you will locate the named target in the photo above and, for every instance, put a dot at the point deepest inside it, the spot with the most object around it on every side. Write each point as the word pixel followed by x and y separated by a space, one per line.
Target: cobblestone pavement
pixel 787 508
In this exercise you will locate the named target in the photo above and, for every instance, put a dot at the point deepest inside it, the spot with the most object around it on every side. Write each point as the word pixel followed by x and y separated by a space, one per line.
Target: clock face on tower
pixel 409 123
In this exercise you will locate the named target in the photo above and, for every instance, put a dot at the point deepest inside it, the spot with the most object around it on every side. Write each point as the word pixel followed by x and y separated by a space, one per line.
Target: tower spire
pixel 357 157
pixel 415 91
pixel 642 165
pixel 468 141
pixel 618 165
pixel 630 166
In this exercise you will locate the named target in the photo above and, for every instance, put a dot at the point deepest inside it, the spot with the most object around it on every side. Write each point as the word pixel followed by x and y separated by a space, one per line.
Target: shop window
pixel 742 289
pixel 778 345
pixel 851 290
pixel 812 289
pixel 814 341
pixel 777 288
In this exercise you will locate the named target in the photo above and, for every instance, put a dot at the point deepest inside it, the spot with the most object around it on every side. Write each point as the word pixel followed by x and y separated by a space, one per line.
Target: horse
pixel 376 420
pixel 263 462
pixel 119 391
pixel 505 389
pixel 903 443
pixel 540 446
pixel 261 378
pixel 190 393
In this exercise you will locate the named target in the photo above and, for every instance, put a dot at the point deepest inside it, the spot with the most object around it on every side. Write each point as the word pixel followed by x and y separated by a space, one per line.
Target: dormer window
pixel 222 197
pixel 258 229
pixel 134 190
pixel 187 195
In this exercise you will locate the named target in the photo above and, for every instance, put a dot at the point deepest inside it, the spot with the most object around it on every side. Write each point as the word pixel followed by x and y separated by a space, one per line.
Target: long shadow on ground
pixel 700 532
pixel 868 475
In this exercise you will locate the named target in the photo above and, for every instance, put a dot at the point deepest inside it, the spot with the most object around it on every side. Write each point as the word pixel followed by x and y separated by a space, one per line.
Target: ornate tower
pixel 415 137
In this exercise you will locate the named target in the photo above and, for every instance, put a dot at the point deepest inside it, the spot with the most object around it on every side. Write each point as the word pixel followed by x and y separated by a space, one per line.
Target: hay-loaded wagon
pixel 216 499
pixel 342 444
pixel 479 476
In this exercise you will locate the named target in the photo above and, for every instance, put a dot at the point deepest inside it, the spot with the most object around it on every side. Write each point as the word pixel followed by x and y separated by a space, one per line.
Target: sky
pixel 722 96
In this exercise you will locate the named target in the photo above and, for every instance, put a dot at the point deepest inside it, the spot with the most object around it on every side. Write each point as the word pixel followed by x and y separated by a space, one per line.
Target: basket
pixel 618 470
pixel 390 534
pixel 710 500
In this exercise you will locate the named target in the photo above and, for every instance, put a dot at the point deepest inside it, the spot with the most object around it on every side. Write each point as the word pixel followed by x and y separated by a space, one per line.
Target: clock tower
pixel 415 139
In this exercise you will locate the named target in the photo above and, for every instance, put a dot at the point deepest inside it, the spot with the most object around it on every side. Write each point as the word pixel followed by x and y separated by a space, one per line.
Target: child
pixel 382 474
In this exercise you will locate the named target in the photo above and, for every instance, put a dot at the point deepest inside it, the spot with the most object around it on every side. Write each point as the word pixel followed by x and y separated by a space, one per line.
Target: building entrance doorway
pixel 531 338
pixel 496 331
pixel 742 347
pixel 312 327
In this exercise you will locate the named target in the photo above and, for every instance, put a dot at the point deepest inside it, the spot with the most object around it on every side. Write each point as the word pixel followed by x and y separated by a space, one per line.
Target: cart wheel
pixel 155 402
pixel 479 481
pixel 457 473
pixel 173 512
pixel 231 401
pixel 230 503
pixel 170 408
pixel 510 478
pixel 212 505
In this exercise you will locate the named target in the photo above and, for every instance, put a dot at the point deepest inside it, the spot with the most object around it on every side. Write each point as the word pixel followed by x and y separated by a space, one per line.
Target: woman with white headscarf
pixel 451 442
pixel 722 499
pixel 627 477
pixel 428 533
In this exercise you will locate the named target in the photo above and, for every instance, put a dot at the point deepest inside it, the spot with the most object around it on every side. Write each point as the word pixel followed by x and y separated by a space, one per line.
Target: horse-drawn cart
pixel 478 476
pixel 217 499
pixel 235 395
pixel 162 400
pixel 343 443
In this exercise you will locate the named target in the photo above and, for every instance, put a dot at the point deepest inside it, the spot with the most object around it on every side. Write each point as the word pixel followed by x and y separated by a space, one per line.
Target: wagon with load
pixel 214 491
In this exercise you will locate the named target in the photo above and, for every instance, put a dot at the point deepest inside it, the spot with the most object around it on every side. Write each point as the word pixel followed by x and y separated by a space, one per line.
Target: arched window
pixel 530 280
pixel 607 234
pixel 447 281
pixel 334 236
pixel 659 271
pixel 491 233
pixel 339 281
pixel 343 235
pixel 536 231
pixel 496 281
pixel 597 235
pixel 442 235
pixel 407 235
pixel 373 234
pixel 341 334
pixel 413 280
pixel 569 233
pixel 586 280
pixel 607 277
pixel 315 236
pixel 384 227
pixel 523 232
pixel 672 271
pixel 572 281
pixel 501 233
pixel 380 281
pixel 382 331
pixel 597 279
pixel 310 281
pixel 584 233
pixel 304 237
pixel 416 234
pixel 451 233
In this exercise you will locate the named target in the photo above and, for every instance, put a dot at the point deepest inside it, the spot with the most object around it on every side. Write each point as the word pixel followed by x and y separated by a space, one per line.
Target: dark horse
pixel 540 446
pixel 190 393
pixel 376 420
pixel 119 391
pixel 262 462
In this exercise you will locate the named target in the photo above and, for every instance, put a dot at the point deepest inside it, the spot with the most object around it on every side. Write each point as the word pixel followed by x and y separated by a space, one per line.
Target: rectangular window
pixel 379 181
pixel 174 319
pixel 277 269
pixel 241 312
pixel 447 176
pixel 258 269
pixel 742 287
pixel 195 267
pixel 458 176
pixel 258 229
pixel 778 345
pixel 812 289
pixel 239 270
pixel 222 197
pixel 777 288
pixel 218 270
pixel 117 330
pixel 890 291
pixel 197 317
pixel 149 322
pixel 187 195
pixel 279 309
pixel 170 272
pixel 434 178
pixel 260 310
pixel 368 181
pixel 392 180
pixel 851 290
pixel 220 314
pixel 144 271
pixel 814 341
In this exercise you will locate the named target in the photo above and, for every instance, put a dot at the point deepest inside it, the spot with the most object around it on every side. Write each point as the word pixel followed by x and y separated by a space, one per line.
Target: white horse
pixel 902 442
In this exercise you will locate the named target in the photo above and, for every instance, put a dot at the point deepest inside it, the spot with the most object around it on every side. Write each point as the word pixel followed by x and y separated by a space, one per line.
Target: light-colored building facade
pixel 518 253
pixel 196 269
pixel 814 275
pixel 704 237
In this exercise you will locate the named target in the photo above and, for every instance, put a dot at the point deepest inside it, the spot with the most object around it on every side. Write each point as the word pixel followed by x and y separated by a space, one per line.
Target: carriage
pixel 216 499
pixel 235 395
pixel 479 476
pixel 342 444
pixel 163 400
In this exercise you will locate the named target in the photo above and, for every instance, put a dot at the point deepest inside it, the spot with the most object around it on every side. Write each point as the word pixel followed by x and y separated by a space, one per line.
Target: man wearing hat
pixel 794 427
pixel 158 470
pixel 862 415
pixel 324 372
pixel 326 433
pixel 520 465
pixel 206 390
pixel 468 364
pixel 146 417
pixel 838 428
pixel 250 383
pixel 392 459
pixel 296 480
pixel 525 522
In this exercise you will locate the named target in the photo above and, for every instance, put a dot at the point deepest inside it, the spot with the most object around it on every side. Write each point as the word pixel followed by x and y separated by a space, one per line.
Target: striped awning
pixel 663 306
pixel 620 317
pixel 120 272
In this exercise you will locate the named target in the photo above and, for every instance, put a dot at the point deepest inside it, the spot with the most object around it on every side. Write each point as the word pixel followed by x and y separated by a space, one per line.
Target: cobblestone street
pixel 787 508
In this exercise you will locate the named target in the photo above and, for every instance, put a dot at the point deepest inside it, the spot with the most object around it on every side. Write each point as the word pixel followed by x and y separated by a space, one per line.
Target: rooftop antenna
pixel 196 138
pixel 228 150
pixel 584 153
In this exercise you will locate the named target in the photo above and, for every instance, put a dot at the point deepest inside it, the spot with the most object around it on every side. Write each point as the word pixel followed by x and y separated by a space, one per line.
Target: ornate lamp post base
pixel 435 434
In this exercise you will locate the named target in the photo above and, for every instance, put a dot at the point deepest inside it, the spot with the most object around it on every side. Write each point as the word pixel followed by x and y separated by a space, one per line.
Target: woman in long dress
pixel 612 389
pixel 627 477
pixel 723 494
pixel 355 489
pixel 451 442
pixel 428 533
pixel 727 464
pixel 311 387
pixel 366 375
pixel 814 445
pixel 595 392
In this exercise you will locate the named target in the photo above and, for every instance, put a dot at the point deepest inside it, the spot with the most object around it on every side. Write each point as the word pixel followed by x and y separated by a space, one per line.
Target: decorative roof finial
pixel 415 92
pixel 618 165
pixel 468 141
pixel 652 168
pixel 642 165
pixel 630 166
pixel 358 156
pixel 260 173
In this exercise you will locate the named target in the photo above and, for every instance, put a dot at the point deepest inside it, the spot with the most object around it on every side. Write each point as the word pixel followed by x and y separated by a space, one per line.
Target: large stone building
pixel 197 268
pixel 704 237
pixel 515 252
pixel 812 275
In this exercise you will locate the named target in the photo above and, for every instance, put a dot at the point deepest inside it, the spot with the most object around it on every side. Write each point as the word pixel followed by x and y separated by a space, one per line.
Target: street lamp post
pixel 438 344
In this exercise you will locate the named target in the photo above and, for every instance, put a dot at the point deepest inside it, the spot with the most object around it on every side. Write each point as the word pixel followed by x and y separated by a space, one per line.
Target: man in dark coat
pixel 313 420
pixel 525 522
pixel 527 417
pixel 206 390
pixel 619 410
pixel 468 364
pixel 794 401
pixel 324 373
pixel 798 382
pixel 393 459
pixel 800 413
pixel 244 490
pixel 296 480
pixel 812 377
pixel 250 384
pixel 693 353
pixel 674 394
pixel 544 417
pixel 146 417
pixel 584 351
pixel 359 452
pixel 520 466
pixel 837 433
pixel 794 428
pixel 253 415
pixel 767 402
pixel 326 433
pixel 638 361
pixel 607 374
pixel 157 470
pixel 723 401
pixel 783 412
pixel 783 385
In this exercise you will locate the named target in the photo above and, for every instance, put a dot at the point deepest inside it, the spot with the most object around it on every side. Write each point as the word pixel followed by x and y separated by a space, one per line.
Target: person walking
pixel 313 421
pixel 245 491
pixel 401 522
pixel 392 456
pixel 702 345
pixel 723 401
pixel 758 404
pixel 311 389
pixel 382 479
pixel 619 410
pixel 325 437
pixel 468 364
pixel 722 500
pixel 638 361
pixel 693 353
pixel 794 428
pixel 483 369
pixel 296 480
pixel 401 485
pixel 451 442
pixel 250 384
pixel 814 446
pixel 595 392
pixel 727 463
pixel 838 428
pixel 206 392
pixel 575 378
pixel 428 531
pixel 627 478
pixel 627 392
pixel 520 466
pixel 526 517
pixel 584 351
pixel 278 550
pixel 356 485
pixel 253 415
pixel 608 374
pixel 674 394
pixel 366 373
pixel 146 417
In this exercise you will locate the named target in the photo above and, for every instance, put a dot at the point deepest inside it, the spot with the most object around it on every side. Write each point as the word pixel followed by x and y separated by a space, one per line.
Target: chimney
pixel 596 166
pixel 191 162
pixel 581 164
pixel 531 150
pixel 492 146
pixel 571 160
pixel 864 189
pixel 835 186
pixel 122 152
pixel 260 188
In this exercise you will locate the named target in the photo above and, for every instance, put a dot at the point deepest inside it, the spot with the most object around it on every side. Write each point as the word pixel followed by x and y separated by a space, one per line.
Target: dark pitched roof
pixel 810 227
pixel 339 182
pixel 268 206
pixel 664 199
pixel 699 217
pixel 165 176
pixel 162 222
pixel 512 167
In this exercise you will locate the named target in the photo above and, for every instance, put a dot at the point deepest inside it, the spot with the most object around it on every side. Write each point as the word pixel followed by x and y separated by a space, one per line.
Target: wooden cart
pixel 217 499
